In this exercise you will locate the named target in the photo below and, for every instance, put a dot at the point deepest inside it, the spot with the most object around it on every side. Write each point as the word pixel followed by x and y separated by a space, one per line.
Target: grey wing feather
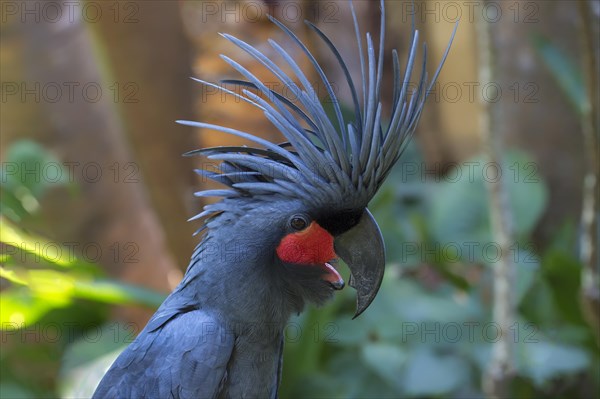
pixel 185 358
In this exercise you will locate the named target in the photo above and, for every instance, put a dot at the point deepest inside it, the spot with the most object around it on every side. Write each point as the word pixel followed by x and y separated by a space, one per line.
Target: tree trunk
pixel 108 219
pixel 149 56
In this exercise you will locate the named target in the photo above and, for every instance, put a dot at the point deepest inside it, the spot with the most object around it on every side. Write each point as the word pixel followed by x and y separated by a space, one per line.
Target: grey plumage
pixel 220 333
pixel 156 368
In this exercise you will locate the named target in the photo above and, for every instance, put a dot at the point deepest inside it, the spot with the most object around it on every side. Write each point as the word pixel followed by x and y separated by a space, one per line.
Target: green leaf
pixel 542 361
pixel 306 338
pixel 11 390
pixel 30 165
pixel 431 374
pixel 444 268
pixel 398 206
pixel 562 272
pixel 12 276
pixel 566 74
pixel 385 360
pixel 350 332
pixel 29 170
pixel 527 269
pixel 85 361
pixel 538 305
pixel 54 285
pixel 413 305
pixel 82 381
pixel 10 205
pixel 352 376
pixel 41 248
pixel 460 212
pixel 19 308
pixel 115 292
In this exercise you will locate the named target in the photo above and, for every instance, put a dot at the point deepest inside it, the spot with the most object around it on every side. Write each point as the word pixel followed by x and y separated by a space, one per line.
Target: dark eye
pixel 298 222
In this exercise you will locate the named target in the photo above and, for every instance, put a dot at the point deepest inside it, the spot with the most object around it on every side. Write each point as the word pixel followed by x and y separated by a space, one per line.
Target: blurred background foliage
pixel 95 196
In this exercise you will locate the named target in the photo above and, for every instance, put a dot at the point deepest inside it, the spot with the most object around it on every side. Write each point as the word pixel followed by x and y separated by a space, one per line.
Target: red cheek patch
pixel 311 246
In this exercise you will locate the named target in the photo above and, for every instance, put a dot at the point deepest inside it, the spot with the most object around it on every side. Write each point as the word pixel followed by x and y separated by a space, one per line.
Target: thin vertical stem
pixel 588 250
pixel 498 376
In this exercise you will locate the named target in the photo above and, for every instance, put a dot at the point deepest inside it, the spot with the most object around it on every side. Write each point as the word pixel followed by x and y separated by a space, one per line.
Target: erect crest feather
pixel 325 161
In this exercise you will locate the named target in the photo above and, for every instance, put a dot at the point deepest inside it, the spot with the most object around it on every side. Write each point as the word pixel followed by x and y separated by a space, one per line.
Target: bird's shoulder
pixel 186 357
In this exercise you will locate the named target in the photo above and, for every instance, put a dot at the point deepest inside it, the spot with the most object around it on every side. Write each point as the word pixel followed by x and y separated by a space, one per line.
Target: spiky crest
pixel 324 162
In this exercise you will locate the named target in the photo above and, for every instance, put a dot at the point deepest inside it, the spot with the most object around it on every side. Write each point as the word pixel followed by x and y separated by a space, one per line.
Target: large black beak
pixel 363 250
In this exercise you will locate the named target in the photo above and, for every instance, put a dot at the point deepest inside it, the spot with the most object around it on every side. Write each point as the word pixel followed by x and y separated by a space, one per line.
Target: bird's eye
pixel 298 222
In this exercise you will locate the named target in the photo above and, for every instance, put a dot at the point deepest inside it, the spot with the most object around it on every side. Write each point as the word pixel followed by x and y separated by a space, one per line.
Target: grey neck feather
pixel 232 277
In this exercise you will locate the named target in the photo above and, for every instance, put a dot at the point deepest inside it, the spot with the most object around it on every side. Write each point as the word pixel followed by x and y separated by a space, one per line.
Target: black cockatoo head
pixel 303 203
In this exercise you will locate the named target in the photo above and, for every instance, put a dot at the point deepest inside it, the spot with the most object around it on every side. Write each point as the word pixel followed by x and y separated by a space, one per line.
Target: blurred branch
pixel 590 281
pixel 157 80
pixel 111 211
pixel 498 376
